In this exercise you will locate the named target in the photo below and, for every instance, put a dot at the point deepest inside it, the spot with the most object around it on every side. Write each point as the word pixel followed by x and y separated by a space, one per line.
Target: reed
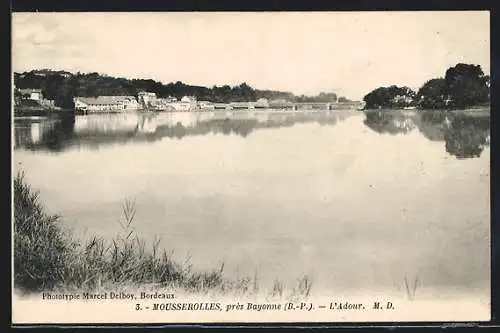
pixel 411 289
pixel 47 257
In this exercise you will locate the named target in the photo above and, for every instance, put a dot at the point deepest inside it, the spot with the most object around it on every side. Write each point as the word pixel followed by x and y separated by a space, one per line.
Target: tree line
pixel 62 86
pixel 464 85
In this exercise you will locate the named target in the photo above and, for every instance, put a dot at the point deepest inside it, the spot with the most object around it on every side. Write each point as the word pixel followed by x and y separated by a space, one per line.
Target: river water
pixel 353 200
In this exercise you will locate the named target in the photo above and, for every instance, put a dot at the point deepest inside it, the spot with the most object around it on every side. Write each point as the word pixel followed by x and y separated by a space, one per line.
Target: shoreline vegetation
pixel 464 86
pixel 48 258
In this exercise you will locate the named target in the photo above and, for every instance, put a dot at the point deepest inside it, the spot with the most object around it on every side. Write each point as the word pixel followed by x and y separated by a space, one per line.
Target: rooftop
pixel 104 99
pixel 30 90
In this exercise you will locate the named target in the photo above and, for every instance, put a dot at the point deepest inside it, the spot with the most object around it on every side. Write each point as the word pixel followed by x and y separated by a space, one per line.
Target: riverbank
pixel 470 110
pixel 48 258
pixel 40 112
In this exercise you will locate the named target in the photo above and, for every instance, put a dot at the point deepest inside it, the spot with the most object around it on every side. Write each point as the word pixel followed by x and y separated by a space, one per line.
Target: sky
pixel 349 53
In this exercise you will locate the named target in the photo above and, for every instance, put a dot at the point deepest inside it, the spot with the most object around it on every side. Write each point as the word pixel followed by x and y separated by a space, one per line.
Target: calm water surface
pixel 352 199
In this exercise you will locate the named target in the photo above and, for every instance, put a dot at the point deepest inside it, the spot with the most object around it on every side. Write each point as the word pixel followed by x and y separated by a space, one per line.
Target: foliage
pixel 343 99
pixel 432 94
pixel 320 98
pixel 63 86
pixel 467 85
pixel 464 85
pixel 40 247
pixel 390 97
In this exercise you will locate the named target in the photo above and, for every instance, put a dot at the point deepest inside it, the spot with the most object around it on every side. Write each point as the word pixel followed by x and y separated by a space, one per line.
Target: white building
pixel 147 98
pixel 187 103
pixel 262 103
pixel 188 99
pixel 33 94
pixel 182 106
pixel 206 105
pixel 106 103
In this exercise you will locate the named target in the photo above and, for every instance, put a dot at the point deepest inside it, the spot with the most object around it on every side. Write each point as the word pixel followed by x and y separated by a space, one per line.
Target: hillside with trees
pixel 463 86
pixel 62 86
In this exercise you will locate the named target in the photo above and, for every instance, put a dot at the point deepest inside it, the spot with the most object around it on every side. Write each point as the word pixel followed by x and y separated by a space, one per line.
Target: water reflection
pixel 465 134
pixel 389 122
pixel 92 131
pixel 280 192
pixel 51 133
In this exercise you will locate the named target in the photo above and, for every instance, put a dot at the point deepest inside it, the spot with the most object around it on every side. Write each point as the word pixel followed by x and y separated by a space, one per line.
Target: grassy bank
pixel 47 257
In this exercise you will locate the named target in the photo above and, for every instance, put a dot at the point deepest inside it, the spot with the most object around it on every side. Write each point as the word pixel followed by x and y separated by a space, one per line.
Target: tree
pixel 64 99
pixel 390 97
pixel 467 85
pixel 432 94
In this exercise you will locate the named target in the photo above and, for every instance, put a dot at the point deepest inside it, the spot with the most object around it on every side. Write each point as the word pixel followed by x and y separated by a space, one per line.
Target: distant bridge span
pixel 327 106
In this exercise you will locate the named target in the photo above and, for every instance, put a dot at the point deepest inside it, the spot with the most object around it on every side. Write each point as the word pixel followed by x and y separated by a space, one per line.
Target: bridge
pixel 327 106
pixel 284 106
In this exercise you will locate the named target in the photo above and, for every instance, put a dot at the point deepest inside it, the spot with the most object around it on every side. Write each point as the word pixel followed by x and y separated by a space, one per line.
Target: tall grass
pixel 47 257
pixel 42 251
pixel 411 290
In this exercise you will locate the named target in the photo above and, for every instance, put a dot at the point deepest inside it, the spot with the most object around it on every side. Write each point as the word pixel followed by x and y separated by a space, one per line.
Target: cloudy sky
pixel 303 52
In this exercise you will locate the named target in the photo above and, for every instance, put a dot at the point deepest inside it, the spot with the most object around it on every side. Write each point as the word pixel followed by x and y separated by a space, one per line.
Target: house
pixel 182 106
pixel 106 103
pixel 187 103
pixel 222 106
pixel 280 104
pixel 129 102
pixel 262 103
pixel 161 103
pixel 33 94
pixel 50 103
pixel 239 105
pixel 147 98
pixel 188 99
pixel 206 105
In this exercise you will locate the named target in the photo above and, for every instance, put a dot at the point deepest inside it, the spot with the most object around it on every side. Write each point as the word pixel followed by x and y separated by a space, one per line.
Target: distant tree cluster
pixel 390 97
pixel 464 85
pixel 321 98
pixel 62 86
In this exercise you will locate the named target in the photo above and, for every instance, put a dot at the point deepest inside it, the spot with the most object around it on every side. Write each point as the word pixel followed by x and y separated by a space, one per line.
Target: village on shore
pixel 148 101
pixel 463 86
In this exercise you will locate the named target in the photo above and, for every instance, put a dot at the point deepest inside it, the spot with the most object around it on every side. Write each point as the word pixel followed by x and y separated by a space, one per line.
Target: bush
pixel 41 250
